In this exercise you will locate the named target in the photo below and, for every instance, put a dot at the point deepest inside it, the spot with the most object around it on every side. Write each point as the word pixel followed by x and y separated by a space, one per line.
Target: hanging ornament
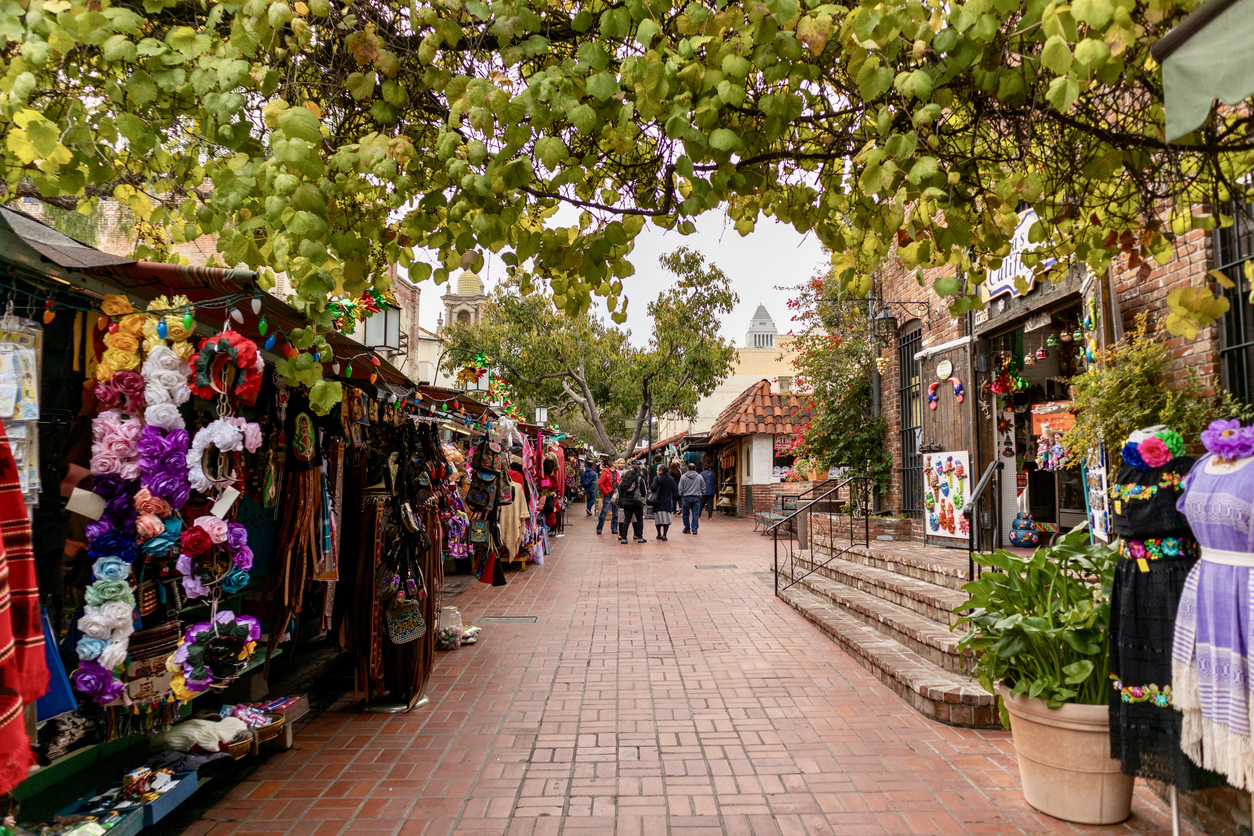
pixel 335 367
pixel 49 313
pixel 348 370
pixel 263 326
pixel 373 377
pixel 187 321
pixel 113 326
pixel 257 304
pixel 317 355
pixel 162 328
pixel 375 361
pixel 270 342
pixel 237 315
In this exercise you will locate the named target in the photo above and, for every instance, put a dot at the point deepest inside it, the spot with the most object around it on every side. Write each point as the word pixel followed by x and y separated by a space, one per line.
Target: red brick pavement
pixel 650 698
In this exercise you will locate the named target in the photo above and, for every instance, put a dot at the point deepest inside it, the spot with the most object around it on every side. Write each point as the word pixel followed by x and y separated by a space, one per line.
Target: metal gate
pixel 910 401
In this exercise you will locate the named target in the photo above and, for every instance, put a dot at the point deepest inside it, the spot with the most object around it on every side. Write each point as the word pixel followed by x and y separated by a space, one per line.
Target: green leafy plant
pixel 1039 623
pixel 1130 387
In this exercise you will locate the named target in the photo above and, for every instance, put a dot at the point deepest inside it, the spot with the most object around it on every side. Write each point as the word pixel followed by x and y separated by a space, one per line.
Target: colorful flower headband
pixel 203 565
pixel 227 435
pixel 212 652
pixel 240 352
pixel 1228 440
pixel 1153 451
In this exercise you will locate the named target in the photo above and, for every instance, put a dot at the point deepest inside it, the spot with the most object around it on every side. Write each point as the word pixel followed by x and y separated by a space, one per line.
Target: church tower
pixel 464 305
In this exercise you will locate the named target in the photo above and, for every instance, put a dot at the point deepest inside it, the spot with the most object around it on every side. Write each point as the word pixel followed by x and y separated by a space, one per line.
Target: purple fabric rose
pixel 236 536
pixel 243 558
pixel 121 511
pixel 97 682
pixel 151 443
pixel 169 486
pixel 1228 440
pixel 175 463
pixel 107 486
pixel 178 441
pixel 98 529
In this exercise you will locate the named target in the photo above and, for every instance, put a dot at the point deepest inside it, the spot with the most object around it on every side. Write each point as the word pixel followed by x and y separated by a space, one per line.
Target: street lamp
pixel 885 325
pixel 542 415
pixel 383 329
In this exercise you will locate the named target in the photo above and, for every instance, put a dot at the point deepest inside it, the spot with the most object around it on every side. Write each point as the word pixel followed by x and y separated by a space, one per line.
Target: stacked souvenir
pixel 1023 531
pixel 1157 552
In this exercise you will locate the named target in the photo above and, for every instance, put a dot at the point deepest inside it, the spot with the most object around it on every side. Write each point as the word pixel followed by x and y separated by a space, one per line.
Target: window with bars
pixel 910 402
pixel 1234 246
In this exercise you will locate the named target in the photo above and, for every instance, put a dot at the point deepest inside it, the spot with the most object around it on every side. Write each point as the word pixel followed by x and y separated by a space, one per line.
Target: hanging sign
pixel 1004 279
pixel 944 369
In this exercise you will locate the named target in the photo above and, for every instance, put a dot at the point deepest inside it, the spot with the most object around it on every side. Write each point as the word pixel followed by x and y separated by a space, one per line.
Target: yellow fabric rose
pixel 104 371
pixel 133 325
pixel 179 686
pixel 121 360
pixel 174 329
pixel 116 305
pixel 184 350
pixel 122 341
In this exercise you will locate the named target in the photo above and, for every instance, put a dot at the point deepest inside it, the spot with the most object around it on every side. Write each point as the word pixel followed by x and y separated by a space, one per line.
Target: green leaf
pixel 647 31
pixel 119 48
pixel 1056 56
pixel 1096 13
pixel 1062 93
pixel 602 85
pixel 724 140
pixel 360 85
pixel 324 395
pixel 923 169
pixel 584 118
pixel 874 80
pixel 299 123
pixel 551 151
pixel 917 84
pixel 948 286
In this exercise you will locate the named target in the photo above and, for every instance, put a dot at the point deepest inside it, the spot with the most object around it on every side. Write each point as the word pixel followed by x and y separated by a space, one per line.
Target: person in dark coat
pixel 665 486
pixel 588 480
pixel 631 500
pixel 711 488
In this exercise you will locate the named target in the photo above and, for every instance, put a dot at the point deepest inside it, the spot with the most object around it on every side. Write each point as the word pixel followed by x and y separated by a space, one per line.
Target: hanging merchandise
pixel 1211 662
pixel 1051 454
pixel 1156 553
pixel 21 349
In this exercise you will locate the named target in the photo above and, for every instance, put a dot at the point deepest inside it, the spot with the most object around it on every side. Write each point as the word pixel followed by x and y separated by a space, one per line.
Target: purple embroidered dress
pixel 1213 657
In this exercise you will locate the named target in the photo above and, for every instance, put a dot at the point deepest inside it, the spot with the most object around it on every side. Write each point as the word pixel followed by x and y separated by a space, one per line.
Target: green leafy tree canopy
pixel 327 139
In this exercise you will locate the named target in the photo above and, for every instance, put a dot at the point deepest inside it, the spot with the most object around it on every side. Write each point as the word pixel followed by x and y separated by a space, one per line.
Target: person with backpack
pixel 631 500
pixel 588 481
pixel 607 484
pixel 691 493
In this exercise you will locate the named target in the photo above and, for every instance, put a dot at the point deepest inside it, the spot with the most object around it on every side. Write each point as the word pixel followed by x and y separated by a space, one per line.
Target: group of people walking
pixel 675 489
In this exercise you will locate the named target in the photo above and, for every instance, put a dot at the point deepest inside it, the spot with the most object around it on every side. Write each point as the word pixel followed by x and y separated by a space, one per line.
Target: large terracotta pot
pixel 1065 763
pixel 815 476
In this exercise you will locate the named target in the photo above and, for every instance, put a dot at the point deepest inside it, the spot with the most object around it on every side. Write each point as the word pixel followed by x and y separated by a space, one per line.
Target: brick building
pixel 1056 325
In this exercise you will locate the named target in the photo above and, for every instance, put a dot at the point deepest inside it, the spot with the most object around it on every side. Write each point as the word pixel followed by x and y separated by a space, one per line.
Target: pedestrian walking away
pixel 677 472
pixel 631 501
pixel 607 484
pixel 711 488
pixel 665 489
pixel 691 493
pixel 588 481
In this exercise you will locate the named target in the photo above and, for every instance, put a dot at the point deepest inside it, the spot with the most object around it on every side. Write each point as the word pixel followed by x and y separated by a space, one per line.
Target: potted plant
pixel 1039 625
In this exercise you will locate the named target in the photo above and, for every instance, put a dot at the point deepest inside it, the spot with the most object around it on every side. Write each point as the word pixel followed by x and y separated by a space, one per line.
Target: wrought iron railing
pixel 975 532
pixel 822 518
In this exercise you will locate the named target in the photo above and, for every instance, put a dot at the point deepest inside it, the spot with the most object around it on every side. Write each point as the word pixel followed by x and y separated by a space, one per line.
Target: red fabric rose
pixel 195 541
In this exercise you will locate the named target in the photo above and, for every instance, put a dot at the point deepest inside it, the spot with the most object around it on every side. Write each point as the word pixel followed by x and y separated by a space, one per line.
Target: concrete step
pixel 937 693
pixel 931 564
pixel 920 596
pixel 918 633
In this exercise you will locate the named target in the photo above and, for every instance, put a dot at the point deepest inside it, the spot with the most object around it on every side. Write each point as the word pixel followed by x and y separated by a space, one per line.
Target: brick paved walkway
pixel 651 697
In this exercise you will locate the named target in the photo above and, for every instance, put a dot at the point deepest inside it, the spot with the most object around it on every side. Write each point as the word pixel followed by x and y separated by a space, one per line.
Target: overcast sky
pixel 761 266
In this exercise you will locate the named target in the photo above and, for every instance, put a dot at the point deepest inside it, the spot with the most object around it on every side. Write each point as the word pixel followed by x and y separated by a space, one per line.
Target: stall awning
pixel 1206 58
pixel 38 250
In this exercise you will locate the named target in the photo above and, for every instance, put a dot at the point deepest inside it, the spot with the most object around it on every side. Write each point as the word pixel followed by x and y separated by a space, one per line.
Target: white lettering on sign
pixel 1002 280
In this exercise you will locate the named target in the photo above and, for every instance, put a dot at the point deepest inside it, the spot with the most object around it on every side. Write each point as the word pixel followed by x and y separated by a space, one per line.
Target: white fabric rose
pixel 116 614
pixel 113 655
pixel 155 394
pixel 164 415
pixel 161 358
pixel 93 624
pixel 122 632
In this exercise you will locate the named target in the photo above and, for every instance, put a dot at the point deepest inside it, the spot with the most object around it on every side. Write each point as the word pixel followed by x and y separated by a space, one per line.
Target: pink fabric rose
pixel 148 526
pixel 1154 452
pixel 120 447
pixel 214 527
pixel 146 503
pixel 105 463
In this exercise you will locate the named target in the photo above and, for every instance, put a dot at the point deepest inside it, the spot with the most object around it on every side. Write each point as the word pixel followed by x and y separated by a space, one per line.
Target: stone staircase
pixel 890 607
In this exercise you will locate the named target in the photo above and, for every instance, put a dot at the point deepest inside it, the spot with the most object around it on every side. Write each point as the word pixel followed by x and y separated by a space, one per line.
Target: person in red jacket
pixel 606 485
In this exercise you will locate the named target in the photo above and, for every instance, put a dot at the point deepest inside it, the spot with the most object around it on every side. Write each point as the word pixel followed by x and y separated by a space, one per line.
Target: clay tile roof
pixel 758 410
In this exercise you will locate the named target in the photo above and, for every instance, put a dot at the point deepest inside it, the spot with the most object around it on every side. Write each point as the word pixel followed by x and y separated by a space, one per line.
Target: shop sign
pixel 1057 415
pixel 944 369
pixel 1003 279
pixel 783 442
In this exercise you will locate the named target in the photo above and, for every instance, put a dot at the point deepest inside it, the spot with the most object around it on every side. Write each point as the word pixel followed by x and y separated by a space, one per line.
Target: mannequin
pixel 1156 554
pixel 1211 664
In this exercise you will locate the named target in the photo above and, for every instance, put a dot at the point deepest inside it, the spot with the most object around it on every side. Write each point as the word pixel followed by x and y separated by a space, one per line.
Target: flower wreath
pixel 226 434
pixel 1228 440
pixel 213 653
pixel 1153 451
pixel 208 379
pixel 214 553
